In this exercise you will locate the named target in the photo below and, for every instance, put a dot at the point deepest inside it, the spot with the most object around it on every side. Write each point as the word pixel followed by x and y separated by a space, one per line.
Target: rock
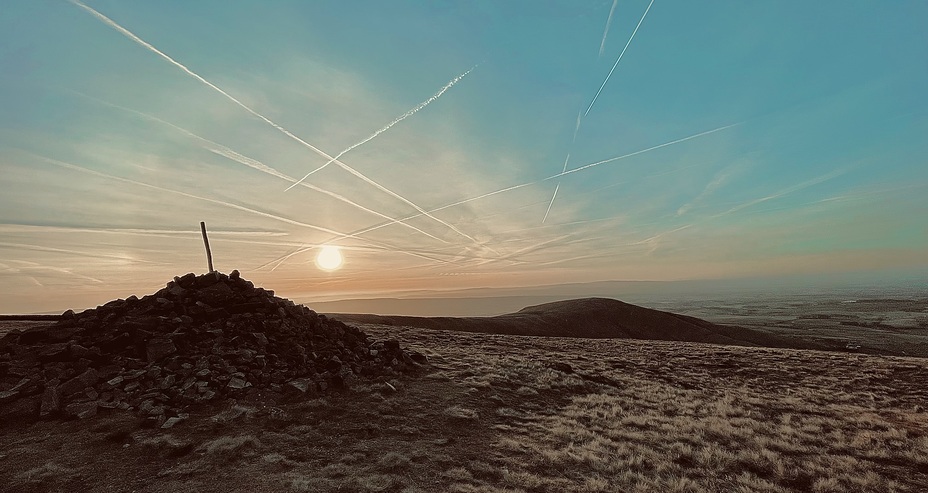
pixel 54 352
pixel 51 400
pixel 79 383
pixel 77 351
pixel 176 291
pixel 81 410
pixel 237 382
pixel 301 385
pixel 159 348
pixel 170 422
pixel 418 357
pixel 8 396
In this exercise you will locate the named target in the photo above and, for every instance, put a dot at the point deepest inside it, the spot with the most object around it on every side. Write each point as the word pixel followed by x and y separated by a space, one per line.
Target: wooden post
pixel 209 255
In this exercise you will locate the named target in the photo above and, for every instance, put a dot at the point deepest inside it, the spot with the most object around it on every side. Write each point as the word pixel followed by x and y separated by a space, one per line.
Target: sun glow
pixel 329 258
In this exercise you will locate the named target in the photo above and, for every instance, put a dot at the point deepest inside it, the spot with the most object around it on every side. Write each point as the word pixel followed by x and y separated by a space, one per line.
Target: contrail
pixel 556 189
pixel 717 181
pixel 40 248
pixel 552 177
pixel 125 32
pixel 36 266
pixel 197 197
pixel 387 127
pixel 577 126
pixel 684 139
pixel 551 203
pixel 228 153
pixel 617 60
pixel 786 191
pixel 30 228
pixel 258 165
pixel 660 235
pixel 524 250
pixel 602 45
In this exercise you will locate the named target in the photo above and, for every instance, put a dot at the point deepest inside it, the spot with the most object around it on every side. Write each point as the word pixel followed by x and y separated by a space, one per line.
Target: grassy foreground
pixel 507 414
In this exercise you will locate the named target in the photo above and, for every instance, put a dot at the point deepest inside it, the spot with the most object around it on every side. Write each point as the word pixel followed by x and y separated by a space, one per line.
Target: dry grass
pixel 491 415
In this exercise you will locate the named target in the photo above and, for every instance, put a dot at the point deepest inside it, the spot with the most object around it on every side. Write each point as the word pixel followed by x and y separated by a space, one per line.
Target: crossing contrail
pixel 387 127
pixel 602 45
pixel 230 205
pixel 552 177
pixel 228 153
pixel 556 188
pixel 684 139
pixel 125 32
pixel 258 165
pixel 619 59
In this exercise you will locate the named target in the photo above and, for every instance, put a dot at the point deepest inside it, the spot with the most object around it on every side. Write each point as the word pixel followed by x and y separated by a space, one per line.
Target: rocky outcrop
pixel 198 339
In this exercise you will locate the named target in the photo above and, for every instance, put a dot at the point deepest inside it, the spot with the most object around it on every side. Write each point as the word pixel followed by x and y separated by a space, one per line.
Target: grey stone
pixel 51 399
pixel 82 410
pixel 216 294
pixel 237 383
pixel 79 383
pixel 159 348
pixel 301 385
pixel 170 422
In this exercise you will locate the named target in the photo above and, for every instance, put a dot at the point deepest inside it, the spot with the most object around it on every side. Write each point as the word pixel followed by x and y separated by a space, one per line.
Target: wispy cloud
pixel 717 181
pixel 41 248
pixel 30 228
pixel 552 177
pixel 619 59
pixel 125 32
pixel 258 165
pixel 222 203
pixel 404 116
pixel 228 153
pixel 35 266
pixel 649 149
pixel 602 44
pixel 786 191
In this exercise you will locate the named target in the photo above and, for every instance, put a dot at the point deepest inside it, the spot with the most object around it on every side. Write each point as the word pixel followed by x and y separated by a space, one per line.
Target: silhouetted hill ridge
pixel 592 318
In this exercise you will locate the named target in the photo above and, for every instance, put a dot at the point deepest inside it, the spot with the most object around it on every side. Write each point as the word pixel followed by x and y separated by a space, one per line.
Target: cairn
pixel 198 339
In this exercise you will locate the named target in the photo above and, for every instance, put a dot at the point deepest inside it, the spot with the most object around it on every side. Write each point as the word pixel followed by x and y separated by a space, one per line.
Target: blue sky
pixel 794 132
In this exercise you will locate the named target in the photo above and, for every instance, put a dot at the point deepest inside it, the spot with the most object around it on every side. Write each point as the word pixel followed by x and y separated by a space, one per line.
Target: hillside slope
pixel 598 318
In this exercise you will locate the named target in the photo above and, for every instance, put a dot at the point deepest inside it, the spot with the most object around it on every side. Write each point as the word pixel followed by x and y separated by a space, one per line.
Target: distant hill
pixel 593 318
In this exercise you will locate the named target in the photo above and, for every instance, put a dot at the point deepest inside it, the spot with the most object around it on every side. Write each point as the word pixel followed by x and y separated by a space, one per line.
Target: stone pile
pixel 199 339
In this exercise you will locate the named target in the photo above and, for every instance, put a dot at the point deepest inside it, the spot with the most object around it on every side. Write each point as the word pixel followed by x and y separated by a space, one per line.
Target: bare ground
pixel 503 413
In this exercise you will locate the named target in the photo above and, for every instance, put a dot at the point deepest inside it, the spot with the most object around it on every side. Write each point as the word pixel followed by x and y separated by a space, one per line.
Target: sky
pixel 453 145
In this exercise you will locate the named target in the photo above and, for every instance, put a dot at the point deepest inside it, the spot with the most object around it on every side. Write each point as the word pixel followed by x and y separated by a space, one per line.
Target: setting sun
pixel 329 258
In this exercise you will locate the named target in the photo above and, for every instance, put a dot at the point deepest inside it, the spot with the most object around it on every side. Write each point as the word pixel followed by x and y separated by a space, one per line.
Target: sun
pixel 329 258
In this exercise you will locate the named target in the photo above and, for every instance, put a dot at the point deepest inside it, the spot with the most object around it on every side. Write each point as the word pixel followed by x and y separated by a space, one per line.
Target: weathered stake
pixel 209 255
